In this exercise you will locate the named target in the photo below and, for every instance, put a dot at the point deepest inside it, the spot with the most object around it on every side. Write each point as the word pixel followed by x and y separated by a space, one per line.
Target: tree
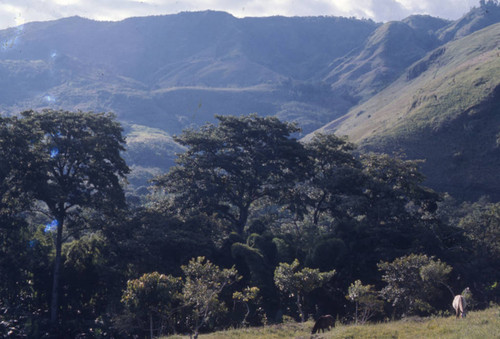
pixel 481 227
pixel 229 167
pixel 366 299
pixel 297 284
pixel 395 190
pixel 412 281
pixel 396 212
pixel 204 281
pixel 244 297
pixel 333 176
pixel 77 164
pixel 257 259
pixel 153 294
pixel 17 171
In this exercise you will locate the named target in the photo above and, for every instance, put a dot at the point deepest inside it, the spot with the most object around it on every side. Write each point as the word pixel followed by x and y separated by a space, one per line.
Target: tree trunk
pixel 299 306
pixel 54 304
pixel 242 219
pixel 151 325
pixel 356 315
pixel 246 315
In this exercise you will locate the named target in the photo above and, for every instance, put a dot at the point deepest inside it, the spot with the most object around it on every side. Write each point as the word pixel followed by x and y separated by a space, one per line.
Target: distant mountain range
pixel 425 86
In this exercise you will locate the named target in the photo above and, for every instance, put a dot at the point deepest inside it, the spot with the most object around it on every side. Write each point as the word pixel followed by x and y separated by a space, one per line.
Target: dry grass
pixel 479 324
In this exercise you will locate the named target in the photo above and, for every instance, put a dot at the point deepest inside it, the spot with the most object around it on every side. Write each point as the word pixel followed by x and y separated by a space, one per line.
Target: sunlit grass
pixel 480 324
pixel 464 76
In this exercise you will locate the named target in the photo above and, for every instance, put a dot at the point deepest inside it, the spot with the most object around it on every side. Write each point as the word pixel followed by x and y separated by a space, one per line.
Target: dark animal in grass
pixel 324 322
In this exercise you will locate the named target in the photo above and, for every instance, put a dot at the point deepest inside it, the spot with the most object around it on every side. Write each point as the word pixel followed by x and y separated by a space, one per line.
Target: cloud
pixel 16 12
pixel 449 9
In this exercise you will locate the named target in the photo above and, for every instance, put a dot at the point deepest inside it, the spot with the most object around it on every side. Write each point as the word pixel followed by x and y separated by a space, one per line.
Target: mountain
pixel 165 73
pixel 175 70
pixel 445 109
pixel 478 18
pixel 384 56
pixel 396 86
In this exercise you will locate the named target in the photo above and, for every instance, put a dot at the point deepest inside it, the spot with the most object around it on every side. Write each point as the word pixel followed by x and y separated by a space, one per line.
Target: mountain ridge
pixel 177 71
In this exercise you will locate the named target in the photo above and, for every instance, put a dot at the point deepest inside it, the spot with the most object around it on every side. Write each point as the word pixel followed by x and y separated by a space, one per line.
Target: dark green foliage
pixel 481 227
pixel 331 174
pixel 328 254
pixel 228 168
pixel 257 258
pixel 412 282
pixel 152 298
pixel 150 240
pixel 246 195
pixel 77 164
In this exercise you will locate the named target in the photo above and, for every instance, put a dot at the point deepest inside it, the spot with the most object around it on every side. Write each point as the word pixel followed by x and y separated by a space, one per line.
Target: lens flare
pixel 52 226
pixel 49 98
pixel 54 152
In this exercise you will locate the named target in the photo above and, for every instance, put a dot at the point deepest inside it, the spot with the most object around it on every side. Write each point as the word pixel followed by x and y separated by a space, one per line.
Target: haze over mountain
pixel 170 71
pixel 165 73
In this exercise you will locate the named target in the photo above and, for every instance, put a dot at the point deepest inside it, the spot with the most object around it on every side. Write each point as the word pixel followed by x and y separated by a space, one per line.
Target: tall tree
pixel 397 211
pixel 228 167
pixel 15 163
pixel 332 179
pixel 78 165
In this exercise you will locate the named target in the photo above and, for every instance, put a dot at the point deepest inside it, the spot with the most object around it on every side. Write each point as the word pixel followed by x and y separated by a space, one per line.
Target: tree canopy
pixel 76 164
pixel 228 167
pixel 245 204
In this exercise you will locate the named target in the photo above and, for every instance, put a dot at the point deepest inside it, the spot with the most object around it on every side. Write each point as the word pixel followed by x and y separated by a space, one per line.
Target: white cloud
pixel 16 12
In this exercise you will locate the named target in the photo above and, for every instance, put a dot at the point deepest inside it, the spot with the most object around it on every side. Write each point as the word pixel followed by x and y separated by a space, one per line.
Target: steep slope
pixel 444 109
pixel 476 19
pixel 385 55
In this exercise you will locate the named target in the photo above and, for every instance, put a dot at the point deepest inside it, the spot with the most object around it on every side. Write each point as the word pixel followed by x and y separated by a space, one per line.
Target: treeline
pixel 249 226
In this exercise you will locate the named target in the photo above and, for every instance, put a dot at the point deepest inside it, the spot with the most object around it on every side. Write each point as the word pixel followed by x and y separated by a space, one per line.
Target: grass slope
pixel 446 110
pixel 149 152
pixel 478 324
pixel 450 80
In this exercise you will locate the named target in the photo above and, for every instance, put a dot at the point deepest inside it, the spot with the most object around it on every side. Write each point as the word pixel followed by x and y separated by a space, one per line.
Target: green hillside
pixel 150 151
pixel 443 109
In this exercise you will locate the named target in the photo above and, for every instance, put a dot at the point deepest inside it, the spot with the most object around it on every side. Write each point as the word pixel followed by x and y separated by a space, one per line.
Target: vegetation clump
pixel 230 224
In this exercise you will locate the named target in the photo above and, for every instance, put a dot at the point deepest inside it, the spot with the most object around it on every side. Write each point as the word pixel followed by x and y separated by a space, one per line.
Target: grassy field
pixel 480 324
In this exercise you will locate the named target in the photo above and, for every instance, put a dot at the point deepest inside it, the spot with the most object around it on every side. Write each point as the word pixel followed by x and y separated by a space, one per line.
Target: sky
pixel 18 12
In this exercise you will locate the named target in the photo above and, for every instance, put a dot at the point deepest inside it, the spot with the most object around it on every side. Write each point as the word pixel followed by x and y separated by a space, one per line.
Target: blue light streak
pixel 52 226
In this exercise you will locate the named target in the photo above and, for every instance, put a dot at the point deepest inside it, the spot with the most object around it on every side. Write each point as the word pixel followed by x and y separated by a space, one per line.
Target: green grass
pixel 457 81
pixel 479 324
